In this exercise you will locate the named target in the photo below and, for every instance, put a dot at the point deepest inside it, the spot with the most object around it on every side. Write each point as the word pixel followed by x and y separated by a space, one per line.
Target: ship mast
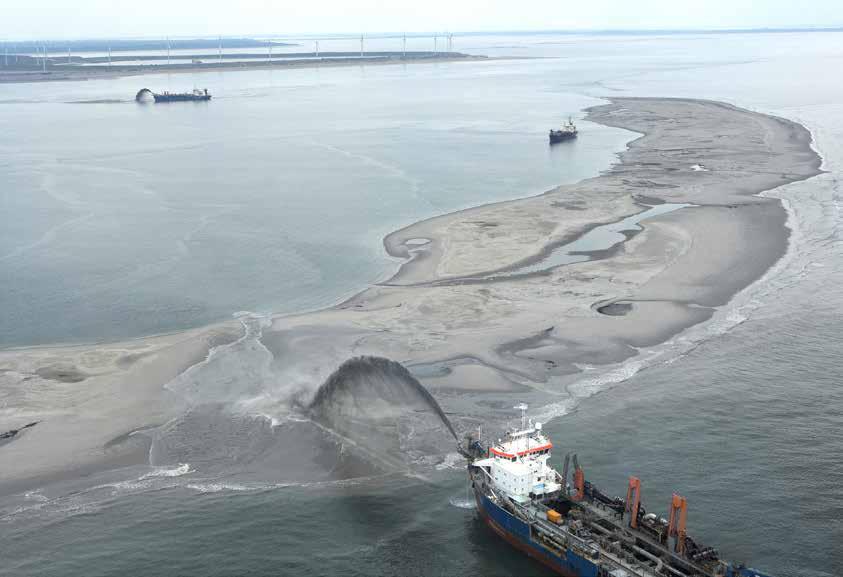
pixel 523 408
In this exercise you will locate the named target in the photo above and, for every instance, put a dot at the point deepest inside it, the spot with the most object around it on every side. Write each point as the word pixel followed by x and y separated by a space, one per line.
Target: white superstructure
pixel 517 466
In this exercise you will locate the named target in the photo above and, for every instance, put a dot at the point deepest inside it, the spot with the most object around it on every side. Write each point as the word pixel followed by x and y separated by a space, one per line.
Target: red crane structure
pixel 633 500
pixel 676 521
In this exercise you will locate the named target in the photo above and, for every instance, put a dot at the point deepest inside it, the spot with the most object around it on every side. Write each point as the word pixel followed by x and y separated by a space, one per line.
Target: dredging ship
pixel 576 529
pixel 195 96
pixel 567 132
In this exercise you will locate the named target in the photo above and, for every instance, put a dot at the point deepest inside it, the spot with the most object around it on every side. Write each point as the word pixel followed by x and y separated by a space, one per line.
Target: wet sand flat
pixel 712 155
pixel 523 331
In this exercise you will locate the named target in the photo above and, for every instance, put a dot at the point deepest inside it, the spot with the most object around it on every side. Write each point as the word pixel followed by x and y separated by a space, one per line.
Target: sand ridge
pixel 516 335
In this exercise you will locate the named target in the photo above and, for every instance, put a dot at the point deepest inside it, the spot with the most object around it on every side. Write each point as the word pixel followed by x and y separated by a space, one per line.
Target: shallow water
pixel 600 238
pixel 741 414
pixel 273 197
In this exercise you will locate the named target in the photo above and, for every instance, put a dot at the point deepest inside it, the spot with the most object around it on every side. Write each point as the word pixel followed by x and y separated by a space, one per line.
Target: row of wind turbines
pixel 41 53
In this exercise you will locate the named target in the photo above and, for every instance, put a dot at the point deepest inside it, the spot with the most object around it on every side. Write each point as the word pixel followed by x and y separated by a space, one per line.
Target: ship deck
pixel 596 533
pixel 622 531
pixel 608 559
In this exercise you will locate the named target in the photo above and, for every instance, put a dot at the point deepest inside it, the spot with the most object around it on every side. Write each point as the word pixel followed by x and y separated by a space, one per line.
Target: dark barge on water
pixel 567 132
pixel 195 96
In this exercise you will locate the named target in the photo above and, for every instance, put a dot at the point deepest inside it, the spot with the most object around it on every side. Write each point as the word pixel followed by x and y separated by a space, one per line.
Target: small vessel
pixel 577 530
pixel 182 96
pixel 196 95
pixel 567 132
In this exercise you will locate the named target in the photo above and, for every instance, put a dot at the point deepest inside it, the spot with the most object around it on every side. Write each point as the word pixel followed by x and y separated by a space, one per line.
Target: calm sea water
pixel 120 219
pixel 742 415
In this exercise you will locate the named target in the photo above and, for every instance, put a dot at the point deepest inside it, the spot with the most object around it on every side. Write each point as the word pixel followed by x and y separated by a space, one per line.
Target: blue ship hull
pixel 517 533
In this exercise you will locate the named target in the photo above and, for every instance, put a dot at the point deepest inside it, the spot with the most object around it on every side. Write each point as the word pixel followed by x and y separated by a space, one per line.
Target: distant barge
pixel 567 132
pixel 195 96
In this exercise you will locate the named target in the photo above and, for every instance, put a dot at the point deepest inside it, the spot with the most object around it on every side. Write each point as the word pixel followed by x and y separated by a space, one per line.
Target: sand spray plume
pixel 372 389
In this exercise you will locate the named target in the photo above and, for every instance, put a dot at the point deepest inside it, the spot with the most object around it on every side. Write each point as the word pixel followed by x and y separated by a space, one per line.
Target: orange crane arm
pixel 579 480
pixel 579 484
pixel 633 500
pixel 677 520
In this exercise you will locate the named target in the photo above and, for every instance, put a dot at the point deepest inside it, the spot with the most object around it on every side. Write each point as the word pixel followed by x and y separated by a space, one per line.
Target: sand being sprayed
pixel 373 389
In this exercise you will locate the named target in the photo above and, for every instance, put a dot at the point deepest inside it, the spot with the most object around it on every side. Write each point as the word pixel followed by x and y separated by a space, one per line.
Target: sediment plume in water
pixel 373 392
pixel 370 417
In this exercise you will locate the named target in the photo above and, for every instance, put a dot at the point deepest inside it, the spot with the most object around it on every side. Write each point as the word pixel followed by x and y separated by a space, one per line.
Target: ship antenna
pixel 523 408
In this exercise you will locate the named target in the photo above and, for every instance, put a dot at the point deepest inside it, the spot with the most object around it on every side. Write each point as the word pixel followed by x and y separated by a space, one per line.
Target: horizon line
pixel 427 34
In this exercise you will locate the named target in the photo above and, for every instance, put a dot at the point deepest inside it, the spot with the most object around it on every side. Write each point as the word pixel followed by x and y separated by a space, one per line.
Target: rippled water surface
pixel 276 195
pixel 122 219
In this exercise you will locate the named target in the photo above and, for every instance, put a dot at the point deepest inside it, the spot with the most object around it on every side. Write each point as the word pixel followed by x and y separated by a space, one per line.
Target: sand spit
pixel 669 276
pixel 475 341
pixel 88 397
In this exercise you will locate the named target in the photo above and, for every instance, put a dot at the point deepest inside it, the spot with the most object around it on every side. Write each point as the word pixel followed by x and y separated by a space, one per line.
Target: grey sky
pixel 112 18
